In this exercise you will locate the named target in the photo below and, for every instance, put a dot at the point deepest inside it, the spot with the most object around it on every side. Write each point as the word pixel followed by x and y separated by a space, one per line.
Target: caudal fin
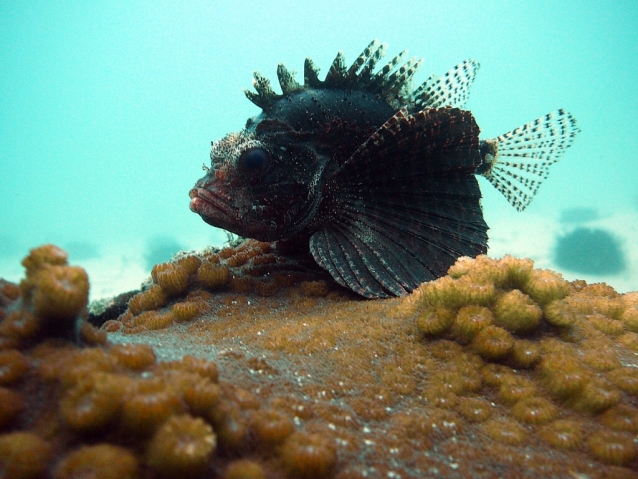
pixel 518 162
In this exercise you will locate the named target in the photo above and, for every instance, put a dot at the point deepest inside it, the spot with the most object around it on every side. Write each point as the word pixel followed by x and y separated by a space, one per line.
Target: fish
pixel 377 178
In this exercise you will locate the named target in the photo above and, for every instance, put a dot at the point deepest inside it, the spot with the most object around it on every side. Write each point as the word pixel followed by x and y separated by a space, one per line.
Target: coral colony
pixel 495 370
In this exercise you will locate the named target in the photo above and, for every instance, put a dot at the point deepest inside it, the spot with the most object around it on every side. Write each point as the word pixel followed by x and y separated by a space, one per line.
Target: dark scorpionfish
pixel 378 177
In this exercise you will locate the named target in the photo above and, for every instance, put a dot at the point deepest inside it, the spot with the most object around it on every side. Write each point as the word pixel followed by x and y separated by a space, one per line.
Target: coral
pixel 493 342
pixel 189 263
pixel 626 379
pixel 244 469
pixel 514 389
pixel 470 320
pixel 102 461
pixel 612 447
pixel 13 366
pixel 202 395
pixel 308 455
pixel 11 405
pixel 60 292
pixel 182 447
pixel 185 311
pixel 272 427
pixel 44 255
pixel 91 335
pixel 94 403
pixel 505 431
pixel 307 384
pixel 212 276
pixel 563 434
pixel 152 298
pixel 133 356
pixel 23 455
pixel 544 286
pixel 149 403
pixel 621 418
pixel 314 289
pixel 19 326
pixel 516 312
pixel 172 278
pixel 630 318
pixel 534 410
pixel 475 409
pixel 525 354
pixel 436 322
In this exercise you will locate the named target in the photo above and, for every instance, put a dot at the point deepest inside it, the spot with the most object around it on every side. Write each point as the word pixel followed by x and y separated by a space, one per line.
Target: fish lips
pixel 213 209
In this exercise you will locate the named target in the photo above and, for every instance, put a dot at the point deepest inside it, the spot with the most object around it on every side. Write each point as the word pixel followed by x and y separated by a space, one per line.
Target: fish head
pixel 264 181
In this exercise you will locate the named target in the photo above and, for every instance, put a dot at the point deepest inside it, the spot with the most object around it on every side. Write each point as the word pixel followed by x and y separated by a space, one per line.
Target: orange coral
pixel 185 311
pixel 272 428
pixel 475 409
pixel 534 410
pixel 13 367
pixel 23 455
pixel 436 322
pixel 612 447
pixel 212 276
pixel 152 298
pixel 470 320
pixel 505 431
pixel 102 461
pixel 563 434
pixel 172 278
pixel 47 254
pixel 516 312
pixel 244 469
pixel 190 263
pixel 308 455
pixel 19 326
pixel 94 403
pixel 11 405
pixel 149 403
pixel 333 386
pixel 60 292
pixel 134 356
pixel 182 447
pixel 544 286
pixel 493 342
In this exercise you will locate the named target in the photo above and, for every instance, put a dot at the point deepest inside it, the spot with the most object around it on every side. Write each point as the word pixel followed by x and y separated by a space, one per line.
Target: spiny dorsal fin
pixel 525 154
pixel 392 81
pixel 287 80
pixel 452 89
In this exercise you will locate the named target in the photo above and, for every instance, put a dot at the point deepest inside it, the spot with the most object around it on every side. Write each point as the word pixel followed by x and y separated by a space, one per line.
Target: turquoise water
pixel 107 109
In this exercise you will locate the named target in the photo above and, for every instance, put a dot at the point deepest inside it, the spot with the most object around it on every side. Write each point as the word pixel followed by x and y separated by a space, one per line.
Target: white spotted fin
pixel 517 162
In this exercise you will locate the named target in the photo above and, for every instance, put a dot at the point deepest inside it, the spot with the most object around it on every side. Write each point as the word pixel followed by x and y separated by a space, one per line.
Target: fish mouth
pixel 211 207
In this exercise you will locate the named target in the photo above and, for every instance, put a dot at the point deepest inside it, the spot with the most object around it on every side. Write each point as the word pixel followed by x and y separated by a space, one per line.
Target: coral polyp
pixel 309 456
pixel 24 455
pixel 102 461
pixel 182 447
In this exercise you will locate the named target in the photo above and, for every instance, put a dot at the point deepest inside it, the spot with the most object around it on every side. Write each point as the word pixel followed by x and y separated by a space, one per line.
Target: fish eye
pixel 254 161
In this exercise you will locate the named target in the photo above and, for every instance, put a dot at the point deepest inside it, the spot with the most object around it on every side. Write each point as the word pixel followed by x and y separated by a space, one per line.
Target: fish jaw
pixel 222 206
pixel 211 207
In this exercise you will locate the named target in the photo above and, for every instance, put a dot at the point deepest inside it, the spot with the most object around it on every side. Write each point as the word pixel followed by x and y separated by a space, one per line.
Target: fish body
pixel 377 177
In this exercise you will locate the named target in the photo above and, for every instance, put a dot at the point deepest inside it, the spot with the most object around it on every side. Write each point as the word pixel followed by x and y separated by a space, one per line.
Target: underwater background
pixel 107 111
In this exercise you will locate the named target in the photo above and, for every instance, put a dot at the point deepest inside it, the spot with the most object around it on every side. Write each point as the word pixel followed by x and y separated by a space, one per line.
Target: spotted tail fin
pixel 517 162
